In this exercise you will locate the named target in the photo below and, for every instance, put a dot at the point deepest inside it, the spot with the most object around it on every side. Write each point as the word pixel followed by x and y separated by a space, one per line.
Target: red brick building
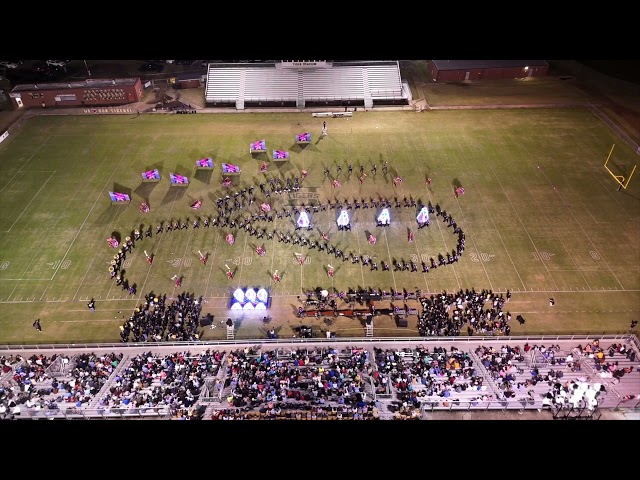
pixel 85 93
pixel 461 70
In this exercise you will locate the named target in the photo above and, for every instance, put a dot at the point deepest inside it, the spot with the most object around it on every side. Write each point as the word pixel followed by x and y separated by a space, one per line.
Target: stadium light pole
pixel 85 66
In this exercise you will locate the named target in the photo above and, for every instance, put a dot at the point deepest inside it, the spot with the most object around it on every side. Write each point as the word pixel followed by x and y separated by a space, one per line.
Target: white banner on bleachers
pixel 4 135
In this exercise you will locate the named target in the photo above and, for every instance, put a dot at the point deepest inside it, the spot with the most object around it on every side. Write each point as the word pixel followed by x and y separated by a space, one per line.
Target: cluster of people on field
pixel 157 320
pixel 446 314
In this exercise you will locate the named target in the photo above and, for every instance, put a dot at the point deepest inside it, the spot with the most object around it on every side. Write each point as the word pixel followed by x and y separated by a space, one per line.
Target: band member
pixel 336 184
pixel 427 182
pixel 230 239
pixel 176 280
pixel 410 236
pixel 362 177
pixel 203 258
pixel 149 257
pixel 276 277
pixel 372 239
pixel 196 205
pixel 397 181
pixel 304 174
pixel 229 273
pixel 263 167
pixel 260 251
pixel 329 271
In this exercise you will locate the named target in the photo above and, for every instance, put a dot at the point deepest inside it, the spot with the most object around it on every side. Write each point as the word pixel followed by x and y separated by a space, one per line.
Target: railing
pixel 628 337
pixel 98 413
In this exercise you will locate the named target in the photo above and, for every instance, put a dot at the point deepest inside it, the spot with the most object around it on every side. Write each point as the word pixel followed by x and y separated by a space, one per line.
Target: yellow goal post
pixel 622 181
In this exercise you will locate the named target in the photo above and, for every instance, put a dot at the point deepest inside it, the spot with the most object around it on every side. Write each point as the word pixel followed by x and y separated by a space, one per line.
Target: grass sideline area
pixel 541 216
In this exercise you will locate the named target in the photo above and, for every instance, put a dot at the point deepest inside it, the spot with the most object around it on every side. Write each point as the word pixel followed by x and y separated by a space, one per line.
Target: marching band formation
pixel 232 212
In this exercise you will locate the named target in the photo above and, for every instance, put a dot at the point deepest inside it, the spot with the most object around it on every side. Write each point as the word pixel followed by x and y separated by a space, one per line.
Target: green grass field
pixel 541 215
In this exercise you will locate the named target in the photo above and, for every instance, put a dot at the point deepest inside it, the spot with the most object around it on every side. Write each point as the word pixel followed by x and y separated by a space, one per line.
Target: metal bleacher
pixel 217 384
pixel 348 82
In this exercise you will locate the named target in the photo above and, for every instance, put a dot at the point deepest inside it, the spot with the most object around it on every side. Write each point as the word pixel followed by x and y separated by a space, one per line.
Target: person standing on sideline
pixel 37 325
pixel 92 305
pixel 552 302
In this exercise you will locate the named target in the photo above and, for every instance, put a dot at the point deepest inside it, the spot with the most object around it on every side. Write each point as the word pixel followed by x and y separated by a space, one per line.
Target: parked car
pixel 152 67
pixel 56 63
pixel 8 64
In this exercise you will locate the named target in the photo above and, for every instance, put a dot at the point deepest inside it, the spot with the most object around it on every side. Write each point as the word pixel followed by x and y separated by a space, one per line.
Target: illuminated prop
pixel 343 219
pixel 280 156
pixel 119 198
pixel 423 216
pixel 151 175
pixel 384 218
pixel 204 164
pixel 303 220
pixel 258 147
pixel 178 180
pixel 250 299
pixel 303 138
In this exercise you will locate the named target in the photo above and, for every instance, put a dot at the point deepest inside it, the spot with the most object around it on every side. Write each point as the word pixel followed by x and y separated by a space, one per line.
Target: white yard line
pixel 360 255
pixel 424 275
pixel 182 260
pixel 395 285
pixel 244 248
pixel 584 206
pixel 459 205
pixel 141 289
pixel 559 239
pixel 20 280
pixel 84 276
pixel 213 258
pixel 31 201
pixel 611 193
pixel 26 163
pixel 574 217
pixel 99 197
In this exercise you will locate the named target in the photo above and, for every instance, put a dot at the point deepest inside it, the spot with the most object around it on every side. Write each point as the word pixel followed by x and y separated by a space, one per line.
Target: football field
pixel 541 215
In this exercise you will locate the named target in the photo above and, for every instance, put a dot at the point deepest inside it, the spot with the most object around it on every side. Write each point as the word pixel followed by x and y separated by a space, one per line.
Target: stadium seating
pixel 346 82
